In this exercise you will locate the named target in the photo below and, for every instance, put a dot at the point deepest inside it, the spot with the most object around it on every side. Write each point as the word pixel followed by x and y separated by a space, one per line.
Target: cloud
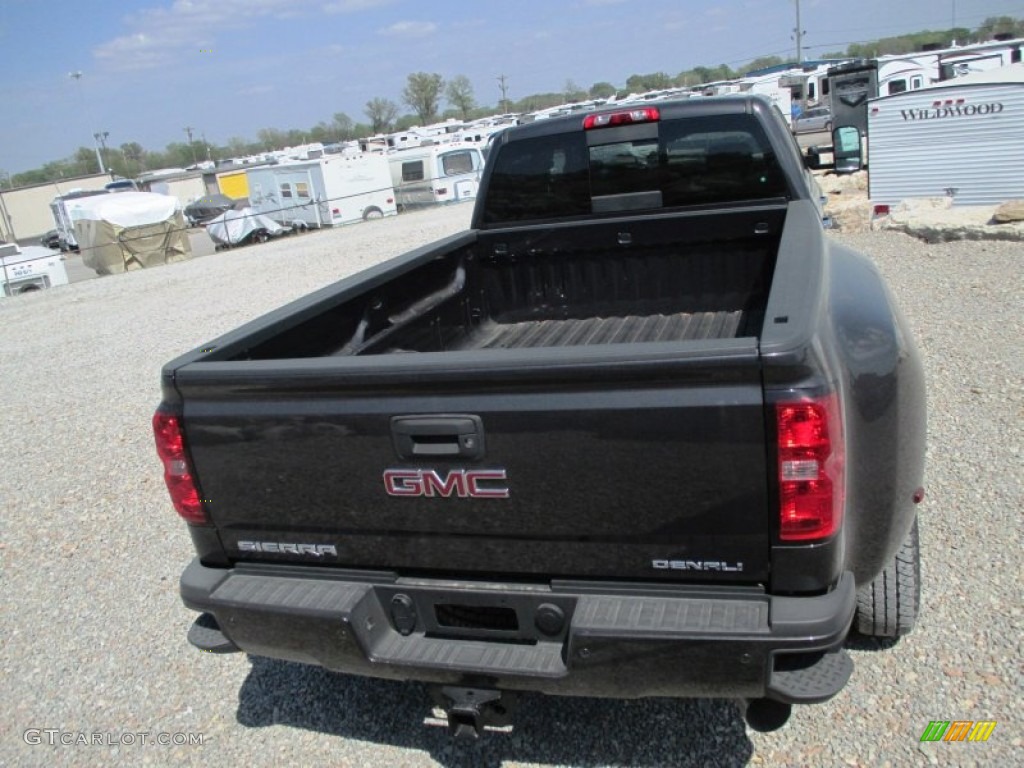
pixel 159 36
pixel 410 29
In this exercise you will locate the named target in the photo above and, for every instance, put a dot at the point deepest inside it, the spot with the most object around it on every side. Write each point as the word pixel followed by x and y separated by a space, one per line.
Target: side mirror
pixel 847 151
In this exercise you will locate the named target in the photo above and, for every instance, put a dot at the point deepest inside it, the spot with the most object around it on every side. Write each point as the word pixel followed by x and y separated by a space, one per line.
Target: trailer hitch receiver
pixel 470 710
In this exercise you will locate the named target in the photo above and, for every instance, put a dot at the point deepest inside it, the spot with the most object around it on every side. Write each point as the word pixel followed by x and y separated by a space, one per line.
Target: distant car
pixel 206 208
pixel 51 239
pixel 815 119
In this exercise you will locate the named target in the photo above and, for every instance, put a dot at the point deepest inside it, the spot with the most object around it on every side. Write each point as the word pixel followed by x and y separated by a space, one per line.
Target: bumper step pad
pixel 809 679
pixel 205 635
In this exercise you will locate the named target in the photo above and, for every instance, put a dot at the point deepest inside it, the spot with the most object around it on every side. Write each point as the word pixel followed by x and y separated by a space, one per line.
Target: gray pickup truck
pixel 642 430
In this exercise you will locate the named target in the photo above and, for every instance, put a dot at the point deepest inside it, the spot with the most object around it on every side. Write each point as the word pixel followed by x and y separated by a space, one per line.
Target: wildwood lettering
pixel 952 110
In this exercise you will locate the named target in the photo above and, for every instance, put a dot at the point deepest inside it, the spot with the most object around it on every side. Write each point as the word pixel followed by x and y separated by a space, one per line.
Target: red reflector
pixel 442 191
pixel 881 210
pixel 391 200
pixel 170 446
pixel 336 211
pixel 626 117
pixel 811 472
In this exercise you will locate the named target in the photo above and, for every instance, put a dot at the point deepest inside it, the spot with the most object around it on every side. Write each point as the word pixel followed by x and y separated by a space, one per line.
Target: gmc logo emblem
pixel 464 483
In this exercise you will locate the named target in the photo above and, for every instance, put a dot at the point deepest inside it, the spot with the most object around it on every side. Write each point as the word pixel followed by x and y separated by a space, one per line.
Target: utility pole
pixel 101 141
pixel 188 130
pixel 799 32
pixel 504 92
pixel 77 77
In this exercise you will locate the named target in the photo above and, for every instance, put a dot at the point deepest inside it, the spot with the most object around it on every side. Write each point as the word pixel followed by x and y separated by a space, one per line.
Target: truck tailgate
pixel 549 463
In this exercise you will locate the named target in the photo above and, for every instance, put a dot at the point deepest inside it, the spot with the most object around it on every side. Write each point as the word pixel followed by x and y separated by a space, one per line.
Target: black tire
pixel 373 212
pixel 888 606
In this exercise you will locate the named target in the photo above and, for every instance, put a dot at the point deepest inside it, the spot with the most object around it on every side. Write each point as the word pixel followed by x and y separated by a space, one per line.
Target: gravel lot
pixel 91 550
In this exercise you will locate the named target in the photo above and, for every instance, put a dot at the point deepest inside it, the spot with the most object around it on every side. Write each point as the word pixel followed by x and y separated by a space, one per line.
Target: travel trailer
pixel 32 268
pixel 65 209
pixel 853 83
pixel 325 192
pixel 773 86
pixel 898 73
pixel 963 140
pixel 440 173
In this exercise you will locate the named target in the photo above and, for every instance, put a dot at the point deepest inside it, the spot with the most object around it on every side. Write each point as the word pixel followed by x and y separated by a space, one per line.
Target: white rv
pixel 32 268
pixel 65 209
pixel 441 173
pixel 963 139
pixel 898 73
pixel 326 192
pixel 774 87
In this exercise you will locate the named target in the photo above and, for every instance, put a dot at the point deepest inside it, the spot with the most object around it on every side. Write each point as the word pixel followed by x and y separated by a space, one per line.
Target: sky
pixel 151 68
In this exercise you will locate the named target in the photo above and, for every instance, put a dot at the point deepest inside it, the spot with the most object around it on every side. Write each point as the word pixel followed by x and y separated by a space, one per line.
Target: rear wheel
pixel 888 606
pixel 373 213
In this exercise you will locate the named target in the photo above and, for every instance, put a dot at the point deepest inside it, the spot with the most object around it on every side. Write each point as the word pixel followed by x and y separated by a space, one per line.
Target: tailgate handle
pixel 417 437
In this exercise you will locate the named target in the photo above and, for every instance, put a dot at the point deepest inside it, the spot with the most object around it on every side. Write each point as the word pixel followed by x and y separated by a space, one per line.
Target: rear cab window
pixel 699 160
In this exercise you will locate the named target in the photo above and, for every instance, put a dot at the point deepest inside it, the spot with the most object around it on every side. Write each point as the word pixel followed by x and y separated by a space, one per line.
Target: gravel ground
pixel 94 632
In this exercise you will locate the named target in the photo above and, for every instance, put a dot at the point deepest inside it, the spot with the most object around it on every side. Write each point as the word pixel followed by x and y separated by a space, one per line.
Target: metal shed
pixel 964 140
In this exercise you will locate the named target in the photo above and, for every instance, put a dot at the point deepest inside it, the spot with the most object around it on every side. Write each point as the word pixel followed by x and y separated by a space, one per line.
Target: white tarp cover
pixel 232 227
pixel 126 209
pixel 108 248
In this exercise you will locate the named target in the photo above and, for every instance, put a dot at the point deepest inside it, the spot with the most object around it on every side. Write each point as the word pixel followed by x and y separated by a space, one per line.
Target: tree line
pixel 424 92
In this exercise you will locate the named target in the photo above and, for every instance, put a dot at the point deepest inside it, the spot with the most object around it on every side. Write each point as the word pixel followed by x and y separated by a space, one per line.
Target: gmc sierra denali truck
pixel 642 430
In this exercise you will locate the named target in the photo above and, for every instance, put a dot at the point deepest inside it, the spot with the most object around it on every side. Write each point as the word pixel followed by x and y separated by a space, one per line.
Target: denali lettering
pixel 955 110
pixel 286 548
pixel 696 565
pixel 464 483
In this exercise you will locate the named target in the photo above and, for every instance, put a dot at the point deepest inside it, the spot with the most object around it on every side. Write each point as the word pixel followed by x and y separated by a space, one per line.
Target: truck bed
pixel 631 329
pixel 679 278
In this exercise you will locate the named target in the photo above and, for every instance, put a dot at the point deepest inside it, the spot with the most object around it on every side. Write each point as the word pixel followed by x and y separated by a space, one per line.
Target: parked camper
pixel 325 192
pixel 851 84
pixel 32 268
pixel 963 140
pixel 442 173
pixel 65 209
pixel 773 86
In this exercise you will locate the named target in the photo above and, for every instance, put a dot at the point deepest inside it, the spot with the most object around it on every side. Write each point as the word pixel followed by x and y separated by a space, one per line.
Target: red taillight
pixel 811 473
pixel 336 211
pixel 626 117
pixel 170 445
pixel 441 191
pixel 880 210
